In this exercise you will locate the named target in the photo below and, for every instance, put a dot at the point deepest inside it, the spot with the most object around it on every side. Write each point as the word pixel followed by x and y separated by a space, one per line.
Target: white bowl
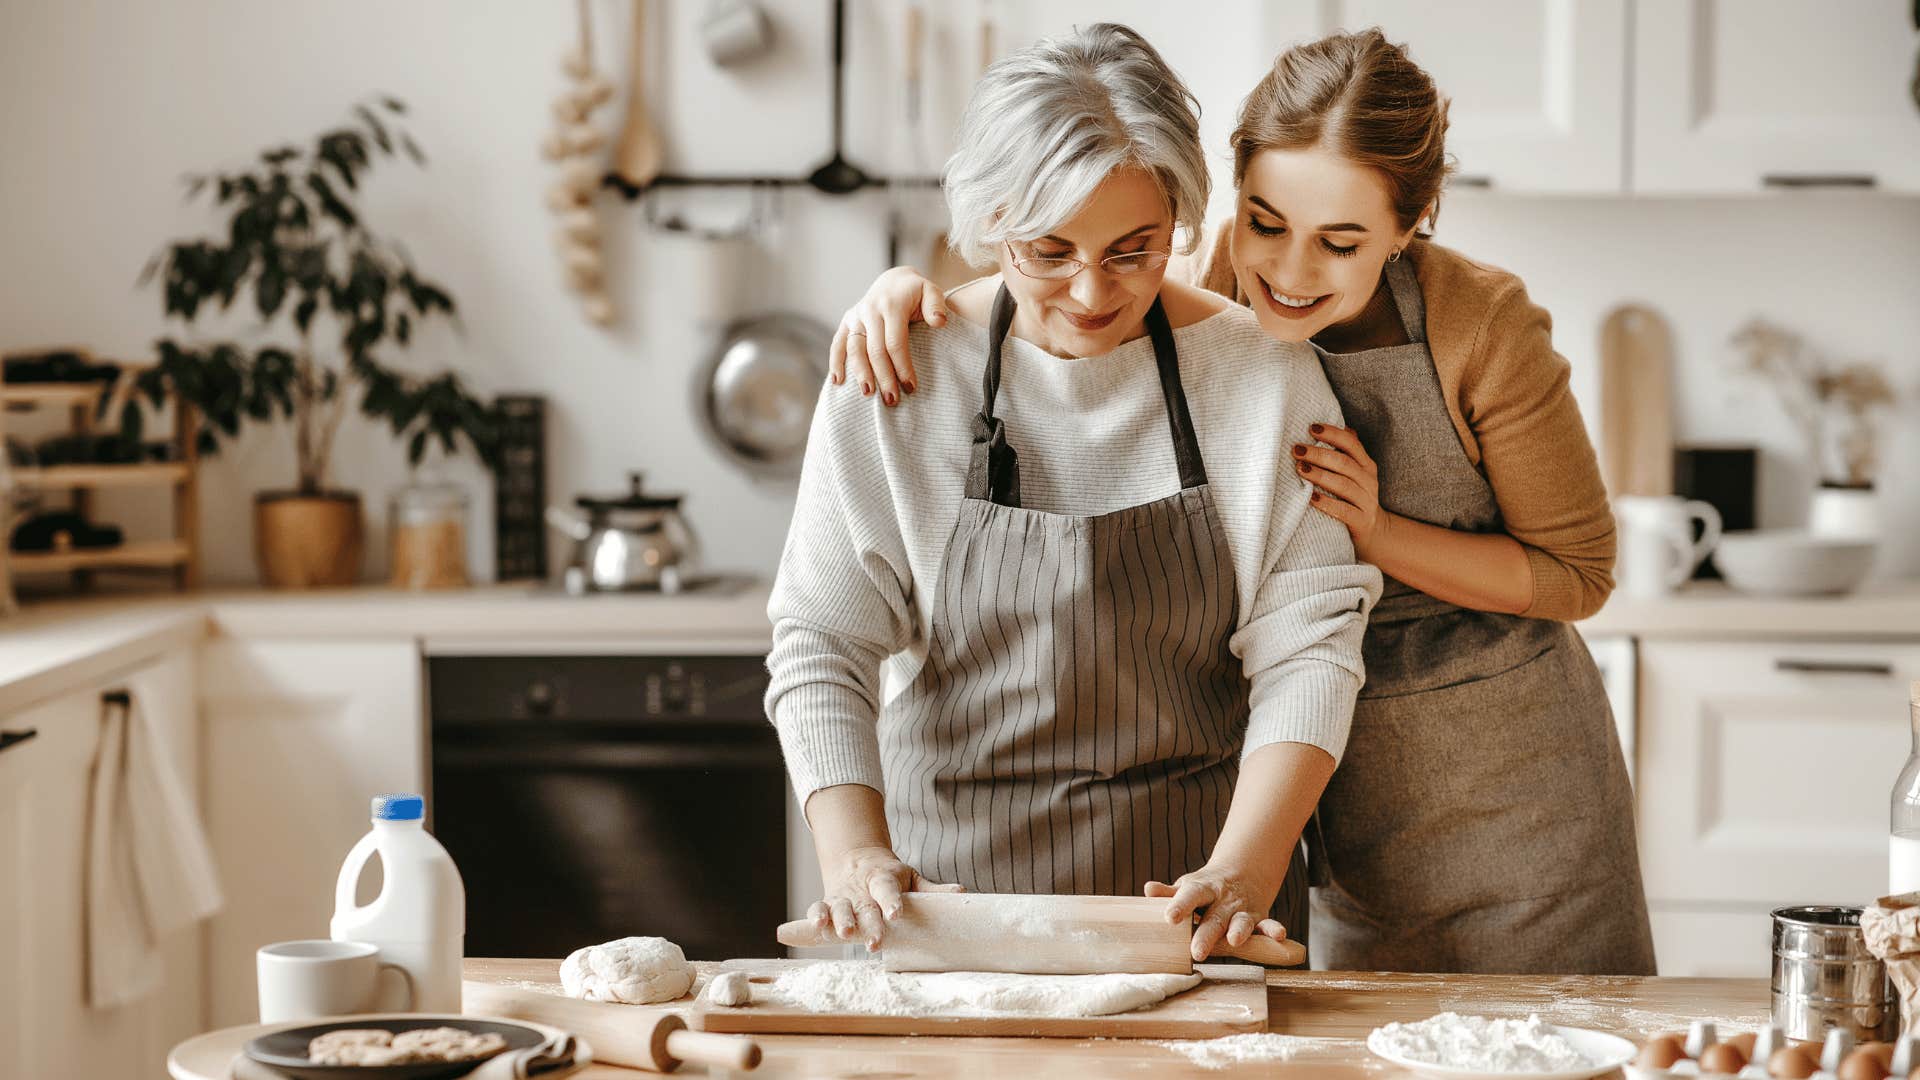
pixel 1792 562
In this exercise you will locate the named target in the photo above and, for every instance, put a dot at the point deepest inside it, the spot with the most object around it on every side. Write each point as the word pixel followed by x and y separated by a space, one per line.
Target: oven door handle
pixel 604 755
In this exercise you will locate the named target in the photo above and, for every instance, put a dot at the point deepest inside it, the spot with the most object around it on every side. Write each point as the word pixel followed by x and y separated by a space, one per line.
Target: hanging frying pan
pixel 758 390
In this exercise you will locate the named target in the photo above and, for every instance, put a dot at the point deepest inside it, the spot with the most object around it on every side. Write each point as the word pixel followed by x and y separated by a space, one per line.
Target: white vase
pixel 1845 511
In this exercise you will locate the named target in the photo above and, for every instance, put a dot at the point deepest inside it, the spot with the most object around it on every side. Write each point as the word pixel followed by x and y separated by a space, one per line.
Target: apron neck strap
pixel 993 472
pixel 1405 287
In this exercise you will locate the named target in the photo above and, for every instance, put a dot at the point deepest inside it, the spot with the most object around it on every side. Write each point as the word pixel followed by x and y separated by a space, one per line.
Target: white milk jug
pixel 419 920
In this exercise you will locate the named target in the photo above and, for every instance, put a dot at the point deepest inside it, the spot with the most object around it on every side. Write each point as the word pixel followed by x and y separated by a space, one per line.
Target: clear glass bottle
pixel 427 530
pixel 1903 834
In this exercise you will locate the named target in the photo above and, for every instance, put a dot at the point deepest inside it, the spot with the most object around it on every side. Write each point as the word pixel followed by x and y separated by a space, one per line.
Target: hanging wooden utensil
pixel 636 159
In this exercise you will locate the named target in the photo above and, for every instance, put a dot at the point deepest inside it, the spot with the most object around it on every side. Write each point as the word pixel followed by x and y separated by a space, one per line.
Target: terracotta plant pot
pixel 308 541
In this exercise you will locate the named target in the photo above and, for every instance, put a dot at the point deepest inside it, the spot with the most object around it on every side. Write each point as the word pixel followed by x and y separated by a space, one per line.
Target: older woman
pixel 1123 652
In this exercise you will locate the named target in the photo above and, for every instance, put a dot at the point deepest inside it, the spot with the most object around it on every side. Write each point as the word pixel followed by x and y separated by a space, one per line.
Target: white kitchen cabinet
pixel 20 765
pixel 1732 97
pixel 47 1029
pixel 1766 769
pixel 1538 87
pixel 300 736
pixel 1724 942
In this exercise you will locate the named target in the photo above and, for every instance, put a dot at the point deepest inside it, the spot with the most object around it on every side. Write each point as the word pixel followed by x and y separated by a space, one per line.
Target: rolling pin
pixel 619 1034
pixel 1041 935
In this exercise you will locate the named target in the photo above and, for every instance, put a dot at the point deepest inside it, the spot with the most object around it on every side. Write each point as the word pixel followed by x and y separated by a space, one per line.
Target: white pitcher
pixel 1657 550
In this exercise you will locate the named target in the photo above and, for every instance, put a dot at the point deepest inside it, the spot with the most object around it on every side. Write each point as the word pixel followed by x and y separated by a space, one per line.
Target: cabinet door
pixel 1538 87
pixel 1713 943
pixel 22 766
pixel 1765 770
pixel 43 850
pixel 300 736
pixel 1773 93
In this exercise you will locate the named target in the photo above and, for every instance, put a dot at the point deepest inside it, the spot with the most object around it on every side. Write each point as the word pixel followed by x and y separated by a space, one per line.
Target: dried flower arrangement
pixel 1836 406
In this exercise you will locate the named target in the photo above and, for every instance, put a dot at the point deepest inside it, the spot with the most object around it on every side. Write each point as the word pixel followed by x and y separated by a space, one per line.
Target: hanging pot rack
pixel 835 176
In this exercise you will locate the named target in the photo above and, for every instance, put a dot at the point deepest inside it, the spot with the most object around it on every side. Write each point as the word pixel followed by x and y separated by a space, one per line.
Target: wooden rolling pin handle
pixel 1265 950
pixel 705 1048
pixel 803 934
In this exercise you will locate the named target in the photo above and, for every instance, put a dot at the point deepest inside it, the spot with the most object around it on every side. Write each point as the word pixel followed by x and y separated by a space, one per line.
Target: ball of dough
pixel 632 970
pixel 730 988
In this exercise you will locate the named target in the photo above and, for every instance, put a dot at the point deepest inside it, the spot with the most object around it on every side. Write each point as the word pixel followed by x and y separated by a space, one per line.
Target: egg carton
pixel 1835 1059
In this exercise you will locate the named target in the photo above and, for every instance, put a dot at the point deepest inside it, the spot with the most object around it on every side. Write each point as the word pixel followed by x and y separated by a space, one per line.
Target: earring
pixel 1394 256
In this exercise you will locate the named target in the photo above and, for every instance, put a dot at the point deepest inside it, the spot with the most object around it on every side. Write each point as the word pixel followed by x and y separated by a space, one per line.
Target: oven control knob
pixel 540 698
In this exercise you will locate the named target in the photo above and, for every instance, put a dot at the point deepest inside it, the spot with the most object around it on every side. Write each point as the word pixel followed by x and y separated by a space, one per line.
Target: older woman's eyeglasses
pixel 1132 262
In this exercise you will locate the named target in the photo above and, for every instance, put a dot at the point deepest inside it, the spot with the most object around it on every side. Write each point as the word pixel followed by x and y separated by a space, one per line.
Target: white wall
pixel 107 104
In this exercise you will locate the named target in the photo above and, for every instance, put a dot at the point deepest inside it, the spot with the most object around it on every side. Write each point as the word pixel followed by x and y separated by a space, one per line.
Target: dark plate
pixel 287 1050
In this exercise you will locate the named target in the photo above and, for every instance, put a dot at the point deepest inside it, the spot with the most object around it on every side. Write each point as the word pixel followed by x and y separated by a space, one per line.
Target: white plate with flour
pixel 1461 1047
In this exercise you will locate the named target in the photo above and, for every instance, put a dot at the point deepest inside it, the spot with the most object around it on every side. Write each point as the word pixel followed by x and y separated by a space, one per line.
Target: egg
pixel 1862 1064
pixel 1660 1053
pixel 1883 1051
pixel 1724 1058
pixel 1744 1041
pixel 1791 1063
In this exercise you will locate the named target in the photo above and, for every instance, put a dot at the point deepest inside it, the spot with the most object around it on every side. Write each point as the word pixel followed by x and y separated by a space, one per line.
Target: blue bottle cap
pixel 399 807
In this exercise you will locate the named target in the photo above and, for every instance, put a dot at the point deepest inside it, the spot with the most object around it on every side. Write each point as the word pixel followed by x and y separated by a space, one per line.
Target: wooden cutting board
pixel 1231 1000
pixel 1636 402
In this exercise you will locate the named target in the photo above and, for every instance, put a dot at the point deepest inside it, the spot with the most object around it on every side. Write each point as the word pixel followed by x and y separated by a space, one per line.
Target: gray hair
pixel 1047 125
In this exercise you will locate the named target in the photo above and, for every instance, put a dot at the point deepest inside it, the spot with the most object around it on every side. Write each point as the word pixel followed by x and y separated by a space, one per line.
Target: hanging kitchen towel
pixel 149 866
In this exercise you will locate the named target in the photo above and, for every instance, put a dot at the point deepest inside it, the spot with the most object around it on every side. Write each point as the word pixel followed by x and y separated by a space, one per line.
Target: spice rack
pixel 176 554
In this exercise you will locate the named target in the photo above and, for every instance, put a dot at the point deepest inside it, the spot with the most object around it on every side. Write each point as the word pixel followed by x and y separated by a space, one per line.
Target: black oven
pixel 587 798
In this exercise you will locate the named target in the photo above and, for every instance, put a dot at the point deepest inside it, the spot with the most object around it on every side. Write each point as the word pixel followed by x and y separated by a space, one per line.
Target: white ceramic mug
pixel 1657 550
pixel 312 980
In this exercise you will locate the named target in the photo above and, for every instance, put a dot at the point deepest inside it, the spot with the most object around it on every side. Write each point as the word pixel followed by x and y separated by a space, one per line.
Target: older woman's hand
pixel 863 889
pixel 1234 905
pixel 870 344
pixel 1346 484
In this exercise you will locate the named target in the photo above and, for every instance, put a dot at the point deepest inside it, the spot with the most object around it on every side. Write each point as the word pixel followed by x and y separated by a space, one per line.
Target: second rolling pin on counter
pixel 619 1034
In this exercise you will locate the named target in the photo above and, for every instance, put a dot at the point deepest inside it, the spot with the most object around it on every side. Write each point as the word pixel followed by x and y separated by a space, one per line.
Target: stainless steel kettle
pixel 636 541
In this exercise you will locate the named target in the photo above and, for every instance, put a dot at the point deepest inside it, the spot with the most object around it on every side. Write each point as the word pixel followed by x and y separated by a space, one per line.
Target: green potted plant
pixel 332 298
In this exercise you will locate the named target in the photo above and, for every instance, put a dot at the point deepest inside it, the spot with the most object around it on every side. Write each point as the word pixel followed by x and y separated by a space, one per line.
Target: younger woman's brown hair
pixel 1361 96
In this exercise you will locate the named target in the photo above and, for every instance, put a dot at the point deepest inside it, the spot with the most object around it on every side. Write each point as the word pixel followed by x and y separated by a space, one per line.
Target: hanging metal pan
pixel 760 387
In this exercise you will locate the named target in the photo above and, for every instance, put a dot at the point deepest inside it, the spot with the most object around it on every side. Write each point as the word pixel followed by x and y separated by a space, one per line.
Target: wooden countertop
pixel 1329 1013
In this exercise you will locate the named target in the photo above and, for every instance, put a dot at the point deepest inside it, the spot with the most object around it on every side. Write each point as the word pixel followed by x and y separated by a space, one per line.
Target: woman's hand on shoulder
pixel 870 345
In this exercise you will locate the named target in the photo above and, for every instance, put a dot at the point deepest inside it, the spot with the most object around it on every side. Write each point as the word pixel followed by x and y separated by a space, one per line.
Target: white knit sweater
pixel 881 490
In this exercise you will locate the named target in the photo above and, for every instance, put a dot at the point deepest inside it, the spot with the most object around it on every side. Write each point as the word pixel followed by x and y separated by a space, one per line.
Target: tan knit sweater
pixel 1507 392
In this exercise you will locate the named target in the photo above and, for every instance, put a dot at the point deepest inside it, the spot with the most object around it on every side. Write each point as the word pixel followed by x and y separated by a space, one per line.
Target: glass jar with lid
pixel 427 531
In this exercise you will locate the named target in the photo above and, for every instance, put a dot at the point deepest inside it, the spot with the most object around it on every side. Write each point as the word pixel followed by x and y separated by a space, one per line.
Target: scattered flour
pixel 1476 1042
pixel 863 986
pixel 1235 1049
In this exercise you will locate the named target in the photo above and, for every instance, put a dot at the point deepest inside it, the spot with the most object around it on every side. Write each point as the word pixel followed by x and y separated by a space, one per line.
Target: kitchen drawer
pixel 1766 768
pixel 1730 943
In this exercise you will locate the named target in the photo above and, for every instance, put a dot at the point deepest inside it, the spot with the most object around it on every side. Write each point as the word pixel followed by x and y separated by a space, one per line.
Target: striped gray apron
pixel 1077 724
pixel 1481 820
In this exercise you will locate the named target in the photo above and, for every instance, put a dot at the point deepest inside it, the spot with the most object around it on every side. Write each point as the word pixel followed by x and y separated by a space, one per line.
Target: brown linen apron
pixel 1076 727
pixel 1481 820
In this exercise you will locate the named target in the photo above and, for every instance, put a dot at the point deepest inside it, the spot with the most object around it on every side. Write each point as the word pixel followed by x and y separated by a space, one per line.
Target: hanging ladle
pixel 839 176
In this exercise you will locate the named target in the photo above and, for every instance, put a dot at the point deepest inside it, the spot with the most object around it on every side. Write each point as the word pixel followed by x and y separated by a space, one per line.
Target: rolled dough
pixel 862 986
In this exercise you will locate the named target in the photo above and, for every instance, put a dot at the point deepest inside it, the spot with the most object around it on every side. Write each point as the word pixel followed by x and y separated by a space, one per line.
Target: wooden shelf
pixel 138 555
pixel 53 393
pixel 65 393
pixel 142 474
